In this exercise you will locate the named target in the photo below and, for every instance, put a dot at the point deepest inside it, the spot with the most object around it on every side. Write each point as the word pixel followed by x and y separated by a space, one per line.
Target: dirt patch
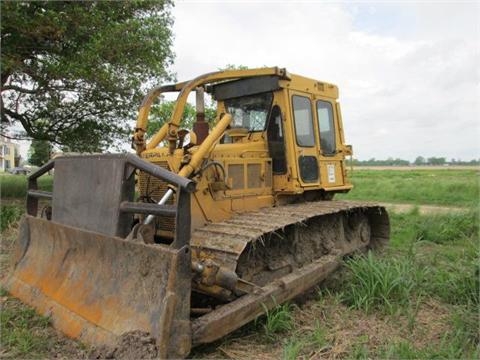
pixel 423 209
pixel 131 345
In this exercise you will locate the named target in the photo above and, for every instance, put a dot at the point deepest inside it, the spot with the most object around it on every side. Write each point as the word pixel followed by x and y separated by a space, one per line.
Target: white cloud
pixel 408 73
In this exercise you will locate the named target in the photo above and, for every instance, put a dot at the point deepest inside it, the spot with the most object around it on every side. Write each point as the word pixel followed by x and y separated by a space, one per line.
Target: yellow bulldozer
pixel 203 230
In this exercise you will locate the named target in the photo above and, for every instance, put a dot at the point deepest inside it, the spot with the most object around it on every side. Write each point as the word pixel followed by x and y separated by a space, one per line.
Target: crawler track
pixel 264 245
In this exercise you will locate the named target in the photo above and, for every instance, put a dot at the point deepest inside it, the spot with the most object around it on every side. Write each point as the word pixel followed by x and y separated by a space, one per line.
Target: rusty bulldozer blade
pixel 97 286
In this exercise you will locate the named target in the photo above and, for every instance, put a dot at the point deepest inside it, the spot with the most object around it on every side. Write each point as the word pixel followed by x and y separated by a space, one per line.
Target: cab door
pixel 306 149
pixel 331 161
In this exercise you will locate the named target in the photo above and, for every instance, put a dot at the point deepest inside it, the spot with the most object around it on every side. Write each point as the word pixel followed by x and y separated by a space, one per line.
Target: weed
pixel 318 337
pixel 380 284
pixel 399 350
pixel 292 349
pixel 332 291
pixel 277 320
pixel 359 351
pixel 9 214
pixel 465 324
pixel 412 312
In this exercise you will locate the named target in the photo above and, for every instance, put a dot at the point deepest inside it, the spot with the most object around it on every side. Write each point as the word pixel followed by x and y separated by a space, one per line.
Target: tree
pixel 420 160
pixel 74 72
pixel 436 160
pixel 39 152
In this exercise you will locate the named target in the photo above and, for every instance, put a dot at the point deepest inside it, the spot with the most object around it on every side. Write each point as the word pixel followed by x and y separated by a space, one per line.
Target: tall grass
pixel 379 284
pixel 449 271
pixel 446 249
pixel 15 186
pixel 277 320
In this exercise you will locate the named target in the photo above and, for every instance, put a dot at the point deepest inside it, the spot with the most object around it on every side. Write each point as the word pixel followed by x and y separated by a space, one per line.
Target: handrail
pixel 148 208
pixel 161 173
pixel 40 194
pixel 32 188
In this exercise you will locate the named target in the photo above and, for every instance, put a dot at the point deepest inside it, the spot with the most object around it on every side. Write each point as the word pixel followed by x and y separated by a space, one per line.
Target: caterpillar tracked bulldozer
pixel 193 239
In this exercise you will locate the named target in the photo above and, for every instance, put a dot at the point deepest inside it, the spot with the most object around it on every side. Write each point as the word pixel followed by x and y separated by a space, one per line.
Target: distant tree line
pixel 420 160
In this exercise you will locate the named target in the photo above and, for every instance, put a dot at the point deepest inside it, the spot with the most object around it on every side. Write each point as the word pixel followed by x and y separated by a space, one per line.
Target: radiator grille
pixel 235 172
pixel 254 175
pixel 152 189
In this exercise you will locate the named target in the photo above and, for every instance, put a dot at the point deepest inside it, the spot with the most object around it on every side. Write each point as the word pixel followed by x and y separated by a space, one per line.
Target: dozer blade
pixel 97 287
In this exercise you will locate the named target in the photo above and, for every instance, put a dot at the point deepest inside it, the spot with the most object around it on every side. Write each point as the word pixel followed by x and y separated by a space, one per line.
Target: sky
pixel 408 72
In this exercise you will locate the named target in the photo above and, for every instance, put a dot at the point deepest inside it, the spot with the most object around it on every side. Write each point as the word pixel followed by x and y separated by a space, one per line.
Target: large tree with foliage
pixel 39 152
pixel 74 72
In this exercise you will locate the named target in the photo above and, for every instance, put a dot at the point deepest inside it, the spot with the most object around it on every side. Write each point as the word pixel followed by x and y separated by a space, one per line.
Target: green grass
pixel 9 214
pixel 438 187
pixel 292 349
pixel 437 228
pixel 445 248
pixel 277 320
pixel 22 334
pixel 434 255
pixel 15 186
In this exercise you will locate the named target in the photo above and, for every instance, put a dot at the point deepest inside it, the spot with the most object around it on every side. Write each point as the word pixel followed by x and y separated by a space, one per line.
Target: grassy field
pixel 418 298
pixel 436 187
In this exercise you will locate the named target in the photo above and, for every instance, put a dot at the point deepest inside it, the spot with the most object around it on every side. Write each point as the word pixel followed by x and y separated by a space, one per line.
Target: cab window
pixel 250 112
pixel 302 115
pixel 326 127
